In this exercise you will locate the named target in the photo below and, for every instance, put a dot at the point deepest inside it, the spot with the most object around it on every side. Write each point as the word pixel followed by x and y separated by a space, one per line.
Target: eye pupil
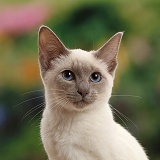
pixel 68 75
pixel 95 77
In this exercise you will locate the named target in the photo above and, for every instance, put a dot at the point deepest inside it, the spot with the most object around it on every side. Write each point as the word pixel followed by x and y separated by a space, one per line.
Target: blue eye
pixel 95 77
pixel 68 75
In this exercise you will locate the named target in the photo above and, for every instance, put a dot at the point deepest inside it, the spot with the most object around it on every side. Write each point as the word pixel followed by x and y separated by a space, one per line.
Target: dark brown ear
pixel 50 47
pixel 108 52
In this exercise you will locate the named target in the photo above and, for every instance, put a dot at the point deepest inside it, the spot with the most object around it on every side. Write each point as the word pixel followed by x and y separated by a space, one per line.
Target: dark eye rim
pixel 100 77
pixel 67 70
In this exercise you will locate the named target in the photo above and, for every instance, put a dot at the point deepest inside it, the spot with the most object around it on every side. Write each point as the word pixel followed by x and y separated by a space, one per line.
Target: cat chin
pixel 79 106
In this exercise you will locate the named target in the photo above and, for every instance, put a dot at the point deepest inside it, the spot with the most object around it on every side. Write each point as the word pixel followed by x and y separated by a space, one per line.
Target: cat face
pixel 76 79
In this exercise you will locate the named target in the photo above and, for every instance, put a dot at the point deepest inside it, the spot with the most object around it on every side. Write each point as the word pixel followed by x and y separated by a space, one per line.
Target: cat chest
pixel 71 133
pixel 77 136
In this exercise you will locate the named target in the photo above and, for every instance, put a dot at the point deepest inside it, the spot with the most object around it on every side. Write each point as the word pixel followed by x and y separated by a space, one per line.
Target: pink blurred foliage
pixel 17 19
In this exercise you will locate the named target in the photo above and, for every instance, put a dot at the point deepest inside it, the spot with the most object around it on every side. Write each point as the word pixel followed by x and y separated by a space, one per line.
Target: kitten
pixel 77 122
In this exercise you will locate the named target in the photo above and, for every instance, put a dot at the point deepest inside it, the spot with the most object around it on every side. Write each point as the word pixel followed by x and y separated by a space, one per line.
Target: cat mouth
pixel 82 103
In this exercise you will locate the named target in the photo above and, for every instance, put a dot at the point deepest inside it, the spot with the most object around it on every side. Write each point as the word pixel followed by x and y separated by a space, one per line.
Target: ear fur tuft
pixel 108 52
pixel 50 47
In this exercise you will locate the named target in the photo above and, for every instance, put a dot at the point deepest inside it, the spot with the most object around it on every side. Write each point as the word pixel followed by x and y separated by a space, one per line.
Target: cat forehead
pixel 80 61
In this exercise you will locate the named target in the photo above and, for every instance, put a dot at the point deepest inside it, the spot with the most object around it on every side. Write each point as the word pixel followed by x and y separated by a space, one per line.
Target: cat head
pixel 76 79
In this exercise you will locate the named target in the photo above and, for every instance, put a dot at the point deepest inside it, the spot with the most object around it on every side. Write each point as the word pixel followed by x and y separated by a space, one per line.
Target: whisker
pixel 116 95
pixel 125 117
pixel 38 90
pixel 27 101
pixel 60 107
pixel 55 100
pixel 32 110
pixel 36 121
pixel 59 102
pixel 100 91
pixel 35 115
pixel 121 120
pixel 57 90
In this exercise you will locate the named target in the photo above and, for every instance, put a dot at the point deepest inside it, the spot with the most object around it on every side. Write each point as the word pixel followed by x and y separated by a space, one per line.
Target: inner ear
pixel 108 52
pixel 50 47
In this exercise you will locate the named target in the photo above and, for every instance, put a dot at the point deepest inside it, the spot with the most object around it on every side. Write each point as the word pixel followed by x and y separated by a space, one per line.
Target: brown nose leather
pixel 83 89
pixel 83 92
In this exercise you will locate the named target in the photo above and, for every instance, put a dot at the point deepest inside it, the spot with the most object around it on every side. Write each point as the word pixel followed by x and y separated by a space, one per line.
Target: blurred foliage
pixel 86 25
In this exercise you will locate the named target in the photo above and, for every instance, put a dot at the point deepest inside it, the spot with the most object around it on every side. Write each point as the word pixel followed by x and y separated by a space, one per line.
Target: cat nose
pixel 83 88
pixel 83 92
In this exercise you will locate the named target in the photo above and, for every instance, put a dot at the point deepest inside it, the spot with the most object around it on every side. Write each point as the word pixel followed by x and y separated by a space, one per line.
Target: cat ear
pixel 108 52
pixel 50 47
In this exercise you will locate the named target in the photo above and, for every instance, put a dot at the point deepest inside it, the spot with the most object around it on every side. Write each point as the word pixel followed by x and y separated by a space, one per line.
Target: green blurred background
pixel 87 25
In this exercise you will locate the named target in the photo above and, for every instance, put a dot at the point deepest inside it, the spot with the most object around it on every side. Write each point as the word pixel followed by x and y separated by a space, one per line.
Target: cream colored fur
pixel 89 134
